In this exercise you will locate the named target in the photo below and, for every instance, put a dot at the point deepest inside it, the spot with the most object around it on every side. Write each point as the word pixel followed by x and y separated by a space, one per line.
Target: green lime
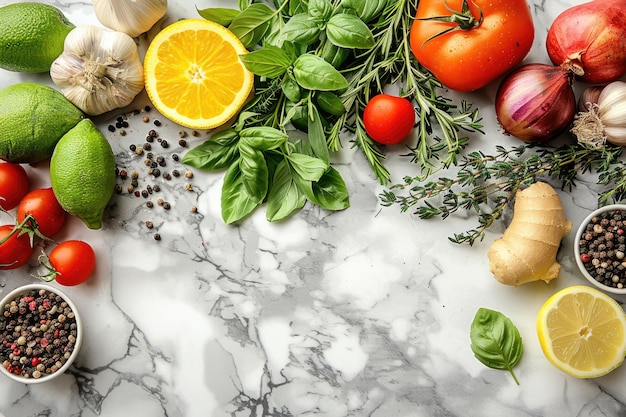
pixel 31 36
pixel 33 117
pixel 82 173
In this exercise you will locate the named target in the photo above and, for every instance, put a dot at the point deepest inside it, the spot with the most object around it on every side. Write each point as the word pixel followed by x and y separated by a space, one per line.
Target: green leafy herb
pixel 317 63
pixel 495 340
pixel 487 184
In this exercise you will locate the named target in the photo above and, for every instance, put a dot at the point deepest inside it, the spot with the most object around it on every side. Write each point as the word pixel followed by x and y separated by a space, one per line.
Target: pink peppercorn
pixel 585 257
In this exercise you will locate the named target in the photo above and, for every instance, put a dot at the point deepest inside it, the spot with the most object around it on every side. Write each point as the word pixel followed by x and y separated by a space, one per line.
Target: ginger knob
pixel 527 250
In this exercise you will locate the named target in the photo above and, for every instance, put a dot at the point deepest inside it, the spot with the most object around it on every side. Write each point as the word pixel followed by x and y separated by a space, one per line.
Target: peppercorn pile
pixel 602 248
pixel 38 332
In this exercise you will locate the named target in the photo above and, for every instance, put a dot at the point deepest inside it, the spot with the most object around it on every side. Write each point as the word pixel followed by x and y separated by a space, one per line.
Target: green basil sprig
pixel 317 64
pixel 495 340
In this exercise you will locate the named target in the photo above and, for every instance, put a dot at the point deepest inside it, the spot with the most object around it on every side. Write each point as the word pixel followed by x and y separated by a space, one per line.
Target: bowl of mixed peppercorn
pixel 40 332
pixel 600 248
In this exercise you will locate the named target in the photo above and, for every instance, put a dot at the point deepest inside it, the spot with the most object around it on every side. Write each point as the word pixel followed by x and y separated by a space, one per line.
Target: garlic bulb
pixel 99 69
pixel 606 119
pixel 132 17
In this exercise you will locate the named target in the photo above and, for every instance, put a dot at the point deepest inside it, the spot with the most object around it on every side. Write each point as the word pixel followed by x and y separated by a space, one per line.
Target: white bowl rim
pixel 579 262
pixel 79 331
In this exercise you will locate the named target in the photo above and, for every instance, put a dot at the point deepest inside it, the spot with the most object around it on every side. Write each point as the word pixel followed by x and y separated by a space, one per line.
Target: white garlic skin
pixel 99 69
pixel 612 112
pixel 132 17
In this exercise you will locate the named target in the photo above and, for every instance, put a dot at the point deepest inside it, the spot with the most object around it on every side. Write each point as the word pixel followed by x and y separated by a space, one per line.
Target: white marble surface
pixel 364 312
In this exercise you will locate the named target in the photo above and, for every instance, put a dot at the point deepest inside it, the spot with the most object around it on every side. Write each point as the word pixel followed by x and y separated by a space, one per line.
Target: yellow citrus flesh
pixel 194 76
pixel 582 331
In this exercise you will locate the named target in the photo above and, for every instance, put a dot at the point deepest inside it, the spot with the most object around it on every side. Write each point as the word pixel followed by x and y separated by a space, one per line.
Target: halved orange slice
pixel 194 76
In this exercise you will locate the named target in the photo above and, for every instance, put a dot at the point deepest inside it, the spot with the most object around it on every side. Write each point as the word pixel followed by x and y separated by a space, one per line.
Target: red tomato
pixel 45 208
pixel 16 250
pixel 73 262
pixel 468 59
pixel 388 119
pixel 14 185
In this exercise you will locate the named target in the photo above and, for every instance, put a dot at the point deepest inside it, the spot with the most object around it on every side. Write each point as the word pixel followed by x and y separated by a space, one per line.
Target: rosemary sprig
pixel 486 184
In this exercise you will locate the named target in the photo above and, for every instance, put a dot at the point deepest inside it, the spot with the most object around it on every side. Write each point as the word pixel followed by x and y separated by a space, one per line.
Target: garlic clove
pixel 132 17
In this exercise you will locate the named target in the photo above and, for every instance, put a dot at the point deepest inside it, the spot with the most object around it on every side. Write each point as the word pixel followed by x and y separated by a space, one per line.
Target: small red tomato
pixel 73 262
pixel 14 185
pixel 14 251
pixel 45 208
pixel 388 119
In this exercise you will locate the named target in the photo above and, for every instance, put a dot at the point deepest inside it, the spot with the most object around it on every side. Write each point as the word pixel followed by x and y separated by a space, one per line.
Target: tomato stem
pixel 464 19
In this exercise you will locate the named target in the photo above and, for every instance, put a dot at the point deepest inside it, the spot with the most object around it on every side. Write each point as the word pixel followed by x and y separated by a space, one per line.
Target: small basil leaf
pixel 236 202
pixel 220 151
pixel 349 31
pixel 308 167
pixel 269 61
pixel 291 89
pixel 263 138
pixel 220 15
pixel 313 73
pixel 320 9
pixel 284 197
pixel 317 137
pixel 254 172
pixel 333 54
pixel 251 24
pixel 301 29
pixel 330 103
pixel 495 340
pixel 331 192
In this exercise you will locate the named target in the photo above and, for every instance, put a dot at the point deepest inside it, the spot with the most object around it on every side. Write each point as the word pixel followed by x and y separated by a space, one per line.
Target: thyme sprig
pixel 486 184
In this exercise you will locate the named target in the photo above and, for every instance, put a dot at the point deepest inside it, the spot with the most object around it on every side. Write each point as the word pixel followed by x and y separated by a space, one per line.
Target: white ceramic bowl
pixel 580 263
pixel 79 333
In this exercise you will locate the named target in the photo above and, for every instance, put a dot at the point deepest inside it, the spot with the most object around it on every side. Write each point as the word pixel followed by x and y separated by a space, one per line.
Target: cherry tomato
pixel 466 59
pixel 45 208
pixel 388 119
pixel 73 262
pixel 14 185
pixel 16 250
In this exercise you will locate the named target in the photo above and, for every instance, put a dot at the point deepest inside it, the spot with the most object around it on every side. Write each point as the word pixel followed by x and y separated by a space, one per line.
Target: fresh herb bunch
pixel 486 184
pixel 318 62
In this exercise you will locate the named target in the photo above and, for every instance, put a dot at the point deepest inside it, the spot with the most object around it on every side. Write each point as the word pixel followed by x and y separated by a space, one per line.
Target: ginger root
pixel 527 250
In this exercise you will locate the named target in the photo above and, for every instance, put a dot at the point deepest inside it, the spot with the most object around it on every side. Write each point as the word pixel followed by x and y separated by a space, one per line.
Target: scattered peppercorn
pixel 147 146
pixel 164 144
pixel 149 204
pixel 182 143
pixel 146 119
pixel 149 224
pixel 157 236
pixel 111 128
pixel 182 134
pixel 147 108
pixel 175 157
pixel 166 205
pixel 157 123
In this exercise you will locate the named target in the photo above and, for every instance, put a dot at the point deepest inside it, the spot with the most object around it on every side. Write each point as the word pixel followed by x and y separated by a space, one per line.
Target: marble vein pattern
pixel 364 312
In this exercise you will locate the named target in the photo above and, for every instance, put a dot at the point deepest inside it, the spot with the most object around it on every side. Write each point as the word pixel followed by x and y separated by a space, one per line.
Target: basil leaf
pixel 254 172
pixel 366 10
pixel 349 31
pixel 236 202
pixel 308 167
pixel 330 103
pixel 495 340
pixel 284 197
pixel 220 151
pixel 302 29
pixel 314 73
pixel 330 191
pixel 320 9
pixel 317 137
pixel 291 89
pixel 333 54
pixel 251 24
pixel 269 61
pixel 219 15
pixel 263 138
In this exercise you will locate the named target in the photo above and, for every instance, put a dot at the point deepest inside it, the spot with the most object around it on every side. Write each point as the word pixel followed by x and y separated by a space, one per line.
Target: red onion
pixel 590 40
pixel 536 102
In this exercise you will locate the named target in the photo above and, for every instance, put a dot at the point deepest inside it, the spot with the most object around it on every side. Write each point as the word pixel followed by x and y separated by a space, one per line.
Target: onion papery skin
pixel 590 40
pixel 536 102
